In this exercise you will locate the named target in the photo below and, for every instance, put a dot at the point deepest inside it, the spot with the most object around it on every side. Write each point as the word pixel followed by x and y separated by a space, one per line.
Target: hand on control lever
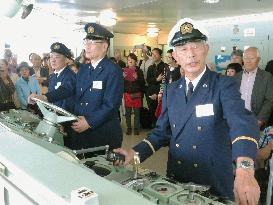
pixel 129 156
pixel 113 156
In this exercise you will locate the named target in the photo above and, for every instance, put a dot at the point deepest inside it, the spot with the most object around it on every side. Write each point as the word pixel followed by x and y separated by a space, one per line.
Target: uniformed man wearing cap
pixel 63 75
pixel 98 90
pixel 205 124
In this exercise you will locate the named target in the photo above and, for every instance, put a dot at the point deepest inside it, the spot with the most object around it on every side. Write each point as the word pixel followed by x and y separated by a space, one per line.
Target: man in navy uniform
pixel 98 94
pixel 63 75
pixel 205 124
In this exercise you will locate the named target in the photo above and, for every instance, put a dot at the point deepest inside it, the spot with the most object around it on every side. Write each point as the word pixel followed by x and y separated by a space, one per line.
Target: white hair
pixel 253 48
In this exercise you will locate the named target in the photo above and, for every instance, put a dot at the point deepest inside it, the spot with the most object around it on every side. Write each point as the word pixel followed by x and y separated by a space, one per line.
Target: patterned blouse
pixel 6 91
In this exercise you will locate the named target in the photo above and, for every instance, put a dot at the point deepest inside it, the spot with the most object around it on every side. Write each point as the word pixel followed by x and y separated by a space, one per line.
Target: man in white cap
pixel 204 123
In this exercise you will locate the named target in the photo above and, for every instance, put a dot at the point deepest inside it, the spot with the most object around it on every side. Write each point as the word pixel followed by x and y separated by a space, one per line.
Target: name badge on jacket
pixel 204 110
pixel 97 85
pixel 58 85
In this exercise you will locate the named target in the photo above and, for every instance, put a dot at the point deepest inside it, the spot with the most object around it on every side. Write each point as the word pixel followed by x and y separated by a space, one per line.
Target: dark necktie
pixel 190 91
pixel 55 75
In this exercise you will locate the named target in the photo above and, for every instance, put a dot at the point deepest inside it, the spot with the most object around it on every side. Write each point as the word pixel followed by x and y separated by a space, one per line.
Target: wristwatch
pixel 245 164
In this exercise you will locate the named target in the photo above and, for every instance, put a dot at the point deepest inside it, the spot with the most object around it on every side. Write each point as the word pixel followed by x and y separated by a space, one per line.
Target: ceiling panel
pixel 133 16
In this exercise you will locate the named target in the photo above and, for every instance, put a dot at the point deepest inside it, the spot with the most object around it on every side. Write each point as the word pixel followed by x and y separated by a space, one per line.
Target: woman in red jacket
pixel 134 85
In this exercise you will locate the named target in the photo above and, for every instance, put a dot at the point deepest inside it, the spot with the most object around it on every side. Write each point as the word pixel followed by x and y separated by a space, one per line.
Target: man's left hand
pixel 34 95
pixel 246 189
pixel 81 125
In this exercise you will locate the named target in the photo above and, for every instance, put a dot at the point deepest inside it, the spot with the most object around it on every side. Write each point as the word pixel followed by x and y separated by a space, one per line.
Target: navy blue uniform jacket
pixel 66 78
pixel 98 98
pixel 201 149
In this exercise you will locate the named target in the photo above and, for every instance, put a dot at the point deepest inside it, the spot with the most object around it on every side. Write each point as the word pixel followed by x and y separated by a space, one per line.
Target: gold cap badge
pixel 90 29
pixel 56 47
pixel 186 28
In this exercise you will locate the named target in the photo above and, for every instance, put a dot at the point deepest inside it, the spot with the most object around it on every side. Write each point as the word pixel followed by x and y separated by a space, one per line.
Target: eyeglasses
pixel 2 70
pixel 89 41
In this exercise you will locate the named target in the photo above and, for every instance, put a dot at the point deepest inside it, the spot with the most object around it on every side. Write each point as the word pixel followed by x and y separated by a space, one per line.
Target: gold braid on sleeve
pixel 150 145
pixel 245 138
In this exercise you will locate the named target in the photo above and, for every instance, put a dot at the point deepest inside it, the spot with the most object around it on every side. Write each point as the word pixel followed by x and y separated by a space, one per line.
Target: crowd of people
pixel 209 121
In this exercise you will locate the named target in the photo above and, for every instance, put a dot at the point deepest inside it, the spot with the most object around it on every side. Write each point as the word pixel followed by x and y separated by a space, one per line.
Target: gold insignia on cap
pixel 186 28
pixel 90 29
pixel 56 47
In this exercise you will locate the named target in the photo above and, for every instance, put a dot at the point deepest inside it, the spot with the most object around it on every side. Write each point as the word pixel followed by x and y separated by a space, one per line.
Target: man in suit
pixel 204 123
pixel 256 86
pixel 154 78
pixel 98 93
pixel 63 75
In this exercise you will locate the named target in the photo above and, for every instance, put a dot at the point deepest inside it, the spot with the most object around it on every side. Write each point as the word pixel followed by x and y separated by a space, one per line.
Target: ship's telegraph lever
pixel 193 188
pixel 92 149
pixel 110 155
pixel 136 165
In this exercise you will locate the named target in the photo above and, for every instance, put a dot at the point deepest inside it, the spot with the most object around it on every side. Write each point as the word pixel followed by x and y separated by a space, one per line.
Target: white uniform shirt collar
pixel 96 63
pixel 196 80
pixel 59 71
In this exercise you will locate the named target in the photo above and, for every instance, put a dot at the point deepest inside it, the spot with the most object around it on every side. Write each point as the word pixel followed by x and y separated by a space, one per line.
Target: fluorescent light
pixel 108 17
pixel 151 25
pixel 152 31
pixel 211 1
pixel 152 35
pixel 9 8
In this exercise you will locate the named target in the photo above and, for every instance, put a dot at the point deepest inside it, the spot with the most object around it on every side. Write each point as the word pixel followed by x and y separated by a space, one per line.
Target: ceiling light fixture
pixel 107 18
pixel 151 25
pixel 152 32
pixel 11 8
pixel 211 1
pixel 26 10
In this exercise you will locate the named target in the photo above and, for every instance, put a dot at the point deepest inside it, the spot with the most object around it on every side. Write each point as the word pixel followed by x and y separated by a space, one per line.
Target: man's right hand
pixel 129 156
